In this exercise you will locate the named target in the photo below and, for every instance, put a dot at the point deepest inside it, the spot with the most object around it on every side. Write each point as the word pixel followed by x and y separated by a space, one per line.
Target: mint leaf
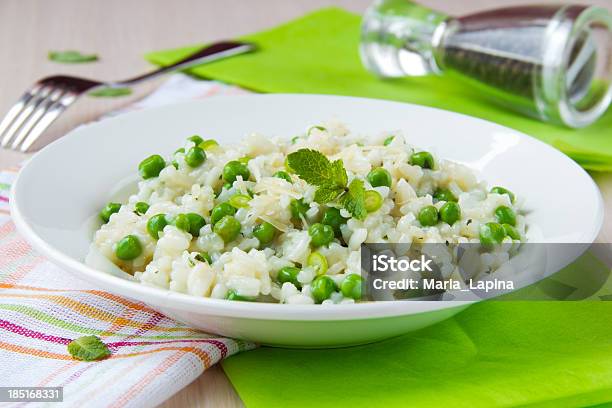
pixel 338 173
pixel 71 57
pixel 110 92
pixel 327 193
pixel 331 179
pixel 312 166
pixel 88 348
pixel 354 199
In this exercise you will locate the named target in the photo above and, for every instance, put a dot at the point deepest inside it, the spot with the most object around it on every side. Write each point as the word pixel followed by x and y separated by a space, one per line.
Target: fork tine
pixel 51 114
pixel 40 110
pixel 25 113
pixel 14 111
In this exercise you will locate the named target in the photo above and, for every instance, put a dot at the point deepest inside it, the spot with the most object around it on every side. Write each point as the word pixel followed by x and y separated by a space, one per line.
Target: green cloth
pixel 318 53
pixel 510 353
pixel 494 354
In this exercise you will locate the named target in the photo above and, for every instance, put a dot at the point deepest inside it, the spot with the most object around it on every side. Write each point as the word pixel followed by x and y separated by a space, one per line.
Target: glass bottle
pixel 551 62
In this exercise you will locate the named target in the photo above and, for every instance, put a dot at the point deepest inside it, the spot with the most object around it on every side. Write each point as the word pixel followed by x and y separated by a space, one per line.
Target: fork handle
pixel 210 53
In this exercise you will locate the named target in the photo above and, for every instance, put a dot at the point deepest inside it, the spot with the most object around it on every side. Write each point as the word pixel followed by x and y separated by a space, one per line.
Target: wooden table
pixel 121 32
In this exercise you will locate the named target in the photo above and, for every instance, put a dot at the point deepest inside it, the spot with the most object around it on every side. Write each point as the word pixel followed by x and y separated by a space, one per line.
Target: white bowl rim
pixel 260 310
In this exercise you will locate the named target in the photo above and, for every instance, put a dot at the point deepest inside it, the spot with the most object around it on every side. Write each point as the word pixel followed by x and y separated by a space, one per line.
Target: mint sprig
pixel 354 199
pixel 331 179
pixel 88 348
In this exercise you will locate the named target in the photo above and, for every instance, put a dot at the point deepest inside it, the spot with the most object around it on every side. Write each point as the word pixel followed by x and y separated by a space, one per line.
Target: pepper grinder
pixel 551 62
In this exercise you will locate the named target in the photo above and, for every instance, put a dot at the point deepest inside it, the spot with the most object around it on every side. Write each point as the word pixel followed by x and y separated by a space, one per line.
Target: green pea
pixel 156 224
pixel 220 211
pixel 195 139
pixel 289 274
pixel 239 201
pixel 196 222
pixel 511 232
pixel 298 209
pixel 195 157
pixel 450 212
pixel 322 287
pixel 141 207
pixel 181 221
pixel 128 248
pixel 179 150
pixel 491 233
pixel 151 166
pixel 388 140
pixel 208 144
pixel 332 217
pixel 422 159
pixel 444 194
pixel 175 164
pixel 233 295
pixel 203 257
pixel 505 215
pixel 428 216
pixel 108 210
pixel 501 190
pixel 318 261
pixel 233 169
pixel 264 232
pixel 227 228
pixel 284 175
pixel 320 234
pixel 351 286
pixel 380 177
pixel 373 200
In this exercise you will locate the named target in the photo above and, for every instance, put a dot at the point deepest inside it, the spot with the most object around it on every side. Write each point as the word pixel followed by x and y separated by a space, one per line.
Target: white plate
pixel 60 191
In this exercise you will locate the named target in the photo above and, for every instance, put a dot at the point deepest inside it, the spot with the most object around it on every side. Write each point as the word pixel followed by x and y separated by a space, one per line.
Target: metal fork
pixel 48 98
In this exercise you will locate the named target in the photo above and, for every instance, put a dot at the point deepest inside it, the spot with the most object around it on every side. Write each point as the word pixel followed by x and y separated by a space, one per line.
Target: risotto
pixel 283 220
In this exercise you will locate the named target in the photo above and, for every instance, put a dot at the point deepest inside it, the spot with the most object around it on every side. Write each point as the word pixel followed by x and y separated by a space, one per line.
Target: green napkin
pixel 318 53
pixel 494 354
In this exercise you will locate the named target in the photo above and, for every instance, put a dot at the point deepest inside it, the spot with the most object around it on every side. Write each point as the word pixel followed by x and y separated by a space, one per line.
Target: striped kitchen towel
pixel 42 309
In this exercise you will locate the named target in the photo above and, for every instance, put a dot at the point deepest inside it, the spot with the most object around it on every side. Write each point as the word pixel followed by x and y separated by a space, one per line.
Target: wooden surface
pixel 121 32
